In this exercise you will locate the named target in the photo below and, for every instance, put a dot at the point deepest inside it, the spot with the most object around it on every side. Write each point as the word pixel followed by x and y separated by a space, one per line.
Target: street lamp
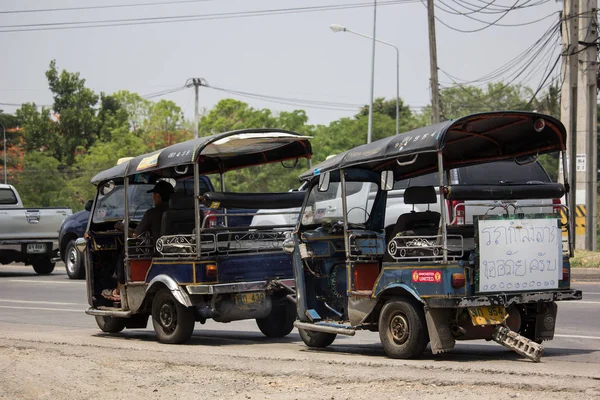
pixel 4 135
pixel 339 28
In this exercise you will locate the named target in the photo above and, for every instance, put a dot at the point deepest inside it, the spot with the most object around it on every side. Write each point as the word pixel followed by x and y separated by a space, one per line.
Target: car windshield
pixel 326 207
pixel 110 207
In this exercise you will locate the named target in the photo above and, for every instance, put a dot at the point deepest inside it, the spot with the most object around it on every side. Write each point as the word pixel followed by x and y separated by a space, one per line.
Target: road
pixel 50 349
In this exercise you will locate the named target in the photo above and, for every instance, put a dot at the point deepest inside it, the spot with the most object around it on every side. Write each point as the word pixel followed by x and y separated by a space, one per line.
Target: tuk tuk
pixel 435 278
pixel 207 262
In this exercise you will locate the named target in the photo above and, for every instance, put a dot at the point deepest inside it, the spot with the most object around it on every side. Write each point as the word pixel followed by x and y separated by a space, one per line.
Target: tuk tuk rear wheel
pixel 280 322
pixel 173 322
pixel 316 339
pixel 110 324
pixel 402 328
pixel 43 266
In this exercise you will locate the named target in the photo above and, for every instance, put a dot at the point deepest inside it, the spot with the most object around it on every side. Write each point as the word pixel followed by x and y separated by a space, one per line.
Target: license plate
pixel 36 248
pixel 247 299
pixel 491 315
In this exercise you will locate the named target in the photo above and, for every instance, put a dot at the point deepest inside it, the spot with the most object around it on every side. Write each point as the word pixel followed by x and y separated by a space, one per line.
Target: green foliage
pixel 463 100
pixel 42 183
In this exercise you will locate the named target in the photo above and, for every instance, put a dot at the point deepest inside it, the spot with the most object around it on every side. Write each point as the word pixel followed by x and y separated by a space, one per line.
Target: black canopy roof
pixel 472 139
pixel 216 153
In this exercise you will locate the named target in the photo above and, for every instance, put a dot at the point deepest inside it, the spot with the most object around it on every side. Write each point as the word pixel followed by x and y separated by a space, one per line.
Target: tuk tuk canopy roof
pixel 216 153
pixel 473 139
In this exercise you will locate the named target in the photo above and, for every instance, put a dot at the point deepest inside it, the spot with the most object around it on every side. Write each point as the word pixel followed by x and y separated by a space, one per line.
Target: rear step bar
pixel 326 327
pixel 108 313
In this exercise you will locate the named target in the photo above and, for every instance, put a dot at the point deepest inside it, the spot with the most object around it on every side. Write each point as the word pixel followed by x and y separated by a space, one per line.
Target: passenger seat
pixel 179 218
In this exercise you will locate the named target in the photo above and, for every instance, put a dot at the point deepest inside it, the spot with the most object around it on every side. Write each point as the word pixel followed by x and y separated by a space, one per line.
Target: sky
pixel 292 56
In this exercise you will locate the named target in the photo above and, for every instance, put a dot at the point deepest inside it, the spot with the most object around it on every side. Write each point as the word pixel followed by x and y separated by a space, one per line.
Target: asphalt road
pixel 58 302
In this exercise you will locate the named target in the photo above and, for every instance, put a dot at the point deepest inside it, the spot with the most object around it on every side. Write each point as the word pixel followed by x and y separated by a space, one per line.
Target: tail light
pixel 211 270
pixel 457 211
pixel 556 206
pixel 565 275
pixel 211 217
pixel 458 280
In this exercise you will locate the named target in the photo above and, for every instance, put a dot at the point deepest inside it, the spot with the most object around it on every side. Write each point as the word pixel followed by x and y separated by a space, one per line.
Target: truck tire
pixel 280 322
pixel 316 339
pixel 402 328
pixel 110 324
pixel 173 322
pixel 43 266
pixel 73 262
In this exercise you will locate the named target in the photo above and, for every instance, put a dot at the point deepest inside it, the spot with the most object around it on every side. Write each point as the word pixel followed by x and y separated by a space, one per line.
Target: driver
pixel 151 222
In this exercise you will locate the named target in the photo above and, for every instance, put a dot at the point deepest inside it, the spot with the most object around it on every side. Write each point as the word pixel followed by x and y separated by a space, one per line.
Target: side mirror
pixel 387 180
pixel 324 182
pixel 80 244
pixel 107 188
pixel 88 205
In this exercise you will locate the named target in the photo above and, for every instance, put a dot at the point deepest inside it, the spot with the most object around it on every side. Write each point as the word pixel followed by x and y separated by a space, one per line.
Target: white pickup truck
pixel 360 196
pixel 28 235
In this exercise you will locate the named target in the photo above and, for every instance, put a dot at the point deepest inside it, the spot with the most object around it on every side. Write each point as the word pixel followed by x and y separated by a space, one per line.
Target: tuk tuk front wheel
pixel 110 324
pixel 316 339
pixel 402 328
pixel 280 322
pixel 173 322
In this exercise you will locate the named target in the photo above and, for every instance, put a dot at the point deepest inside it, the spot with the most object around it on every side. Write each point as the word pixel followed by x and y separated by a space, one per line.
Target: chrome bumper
pixel 237 287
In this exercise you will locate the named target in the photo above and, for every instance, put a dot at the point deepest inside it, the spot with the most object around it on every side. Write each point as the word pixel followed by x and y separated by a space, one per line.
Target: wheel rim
pixel 168 317
pixel 72 260
pixel 399 328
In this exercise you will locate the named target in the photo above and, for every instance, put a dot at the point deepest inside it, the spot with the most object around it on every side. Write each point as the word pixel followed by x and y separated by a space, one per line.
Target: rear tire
pixel 110 324
pixel 73 262
pixel 316 339
pixel 280 322
pixel 402 328
pixel 43 266
pixel 173 322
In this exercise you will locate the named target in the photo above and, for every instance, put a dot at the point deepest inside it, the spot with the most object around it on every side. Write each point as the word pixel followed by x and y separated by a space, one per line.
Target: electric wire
pixel 187 18
pixel 102 7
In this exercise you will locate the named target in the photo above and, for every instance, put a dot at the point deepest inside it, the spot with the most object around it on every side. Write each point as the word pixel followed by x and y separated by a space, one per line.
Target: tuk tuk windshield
pixel 326 207
pixel 110 204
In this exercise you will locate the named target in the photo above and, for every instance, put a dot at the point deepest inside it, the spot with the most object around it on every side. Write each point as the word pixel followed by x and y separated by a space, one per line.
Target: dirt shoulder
pixel 84 366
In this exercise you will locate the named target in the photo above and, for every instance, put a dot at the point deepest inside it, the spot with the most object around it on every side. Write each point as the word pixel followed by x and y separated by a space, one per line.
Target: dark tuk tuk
pixel 206 262
pixel 435 278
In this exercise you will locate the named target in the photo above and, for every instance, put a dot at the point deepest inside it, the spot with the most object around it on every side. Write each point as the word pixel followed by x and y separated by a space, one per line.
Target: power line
pixel 103 7
pixel 188 18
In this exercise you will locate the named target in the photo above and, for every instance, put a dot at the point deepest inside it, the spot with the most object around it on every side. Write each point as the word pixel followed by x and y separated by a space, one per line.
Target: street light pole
pixel 370 128
pixel 339 28
pixel 4 136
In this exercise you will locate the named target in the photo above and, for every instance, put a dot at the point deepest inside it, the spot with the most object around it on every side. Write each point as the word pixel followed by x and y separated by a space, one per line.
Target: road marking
pixel 578 337
pixel 584 292
pixel 55 303
pixel 42 309
pixel 579 302
pixel 36 281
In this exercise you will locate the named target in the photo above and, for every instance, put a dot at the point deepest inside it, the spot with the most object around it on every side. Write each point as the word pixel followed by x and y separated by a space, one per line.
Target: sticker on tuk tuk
pixel 215 204
pixel 427 276
pixel 148 162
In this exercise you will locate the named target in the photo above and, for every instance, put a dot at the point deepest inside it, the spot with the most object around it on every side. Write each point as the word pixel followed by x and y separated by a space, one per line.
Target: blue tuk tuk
pixel 435 277
pixel 207 261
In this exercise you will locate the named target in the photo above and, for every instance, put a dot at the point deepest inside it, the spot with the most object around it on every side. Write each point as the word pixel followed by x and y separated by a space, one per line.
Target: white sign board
pixel 519 254
pixel 580 164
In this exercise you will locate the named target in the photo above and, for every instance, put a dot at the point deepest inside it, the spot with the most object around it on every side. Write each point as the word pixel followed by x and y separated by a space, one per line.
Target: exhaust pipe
pixel 338 330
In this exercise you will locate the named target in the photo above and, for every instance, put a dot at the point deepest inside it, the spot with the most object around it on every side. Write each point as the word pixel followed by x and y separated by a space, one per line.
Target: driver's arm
pixel 145 224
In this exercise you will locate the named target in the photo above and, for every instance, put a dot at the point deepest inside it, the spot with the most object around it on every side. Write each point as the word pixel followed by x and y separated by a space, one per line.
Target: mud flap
pixel 440 335
pixel 520 344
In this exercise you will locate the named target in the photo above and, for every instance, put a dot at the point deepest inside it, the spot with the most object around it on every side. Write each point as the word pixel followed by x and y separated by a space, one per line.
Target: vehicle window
pixel 403 184
pixel 7 196
pixel 326 207
pixel 507 172
pixel 110 207
pixel 426 180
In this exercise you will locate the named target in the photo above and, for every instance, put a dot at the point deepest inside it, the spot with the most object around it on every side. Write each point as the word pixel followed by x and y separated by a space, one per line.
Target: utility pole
pixel 196 83
pixel 587 114
pixel 4 136
pixel 370 120
pixel 568 110
pixel 435 93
